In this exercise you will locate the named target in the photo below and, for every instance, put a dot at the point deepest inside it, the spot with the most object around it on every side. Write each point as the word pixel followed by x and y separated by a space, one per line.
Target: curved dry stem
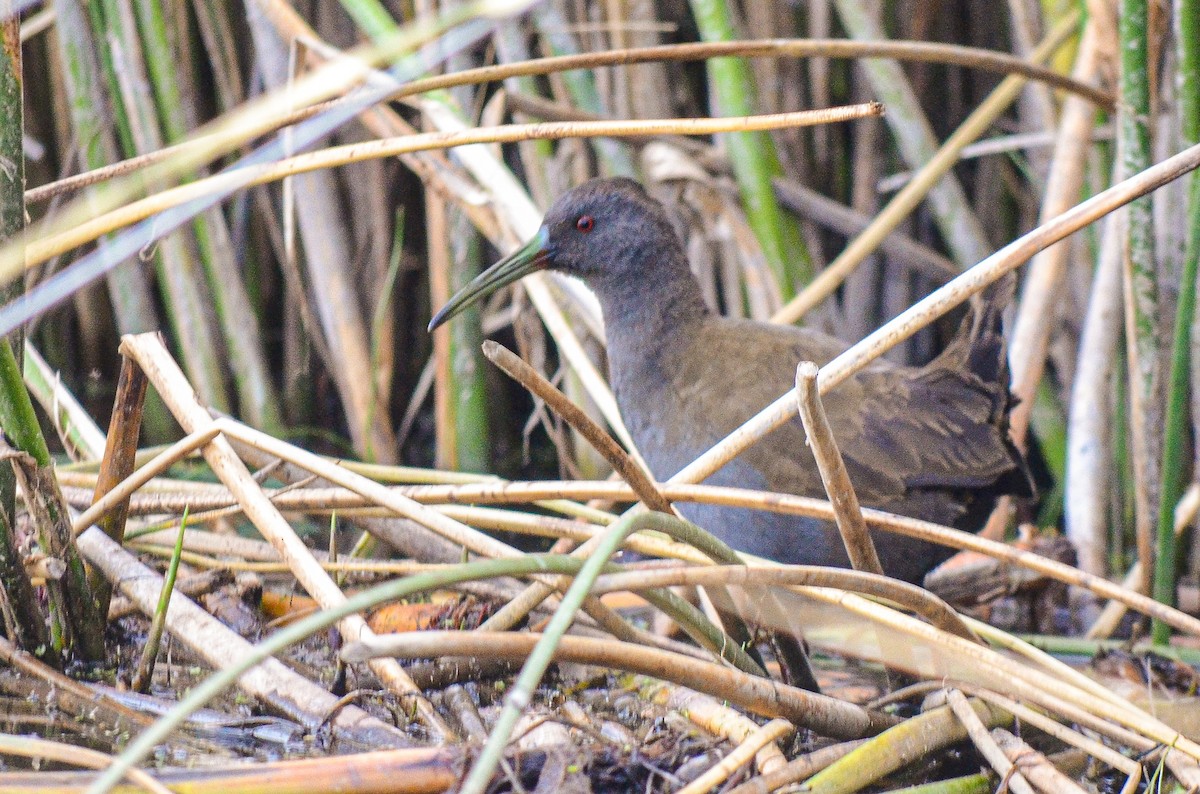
pixel 825 715
pixel 917 51
pixel 909 596
pixel 41 249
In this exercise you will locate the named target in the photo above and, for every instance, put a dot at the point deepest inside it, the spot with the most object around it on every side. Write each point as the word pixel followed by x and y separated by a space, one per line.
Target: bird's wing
pixel 907 435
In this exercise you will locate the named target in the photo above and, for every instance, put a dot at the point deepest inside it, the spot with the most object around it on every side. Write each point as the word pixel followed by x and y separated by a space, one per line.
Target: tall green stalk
pixel 76 625
pixel 22 617
pixel 129 288
pixel 184 291
pixel 1141 279
pixel 467 367
pixel 752 154
pixel 1187 325
pixel 465 384
pixel 258 398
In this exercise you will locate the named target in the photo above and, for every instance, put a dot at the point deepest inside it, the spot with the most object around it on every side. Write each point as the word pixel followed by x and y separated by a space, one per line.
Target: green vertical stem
pixel 461 403
pixel 145 668
pixel 752 154
pixel 467 366
pixel 1141 281
pixel 1050 428
pixel 71 601
pixel 181 281
pixel 128 286
pixel 23 619
pixel 1187 326
pixel 259 400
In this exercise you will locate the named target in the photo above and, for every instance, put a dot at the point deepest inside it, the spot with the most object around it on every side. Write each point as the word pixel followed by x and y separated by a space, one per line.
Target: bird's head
pixel 603 229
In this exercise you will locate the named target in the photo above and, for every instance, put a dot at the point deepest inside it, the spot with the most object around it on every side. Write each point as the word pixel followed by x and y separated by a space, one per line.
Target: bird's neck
pixel 651 317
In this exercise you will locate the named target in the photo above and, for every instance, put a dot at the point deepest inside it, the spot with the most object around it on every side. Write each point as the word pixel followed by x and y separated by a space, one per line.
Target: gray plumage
pixel 929 442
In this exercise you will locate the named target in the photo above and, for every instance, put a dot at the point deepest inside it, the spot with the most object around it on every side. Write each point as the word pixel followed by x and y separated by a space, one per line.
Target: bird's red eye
pixel 585 223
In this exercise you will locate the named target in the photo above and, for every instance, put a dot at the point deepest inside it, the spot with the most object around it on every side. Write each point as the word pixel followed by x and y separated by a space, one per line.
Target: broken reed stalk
pixel 76 623
pixel 842 498
pixel 120 452
pixel 1034 766
pixel 120 493
pixel 739 757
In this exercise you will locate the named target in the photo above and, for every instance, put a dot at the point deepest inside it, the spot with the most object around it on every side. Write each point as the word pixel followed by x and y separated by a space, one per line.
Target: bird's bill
pixel 527 259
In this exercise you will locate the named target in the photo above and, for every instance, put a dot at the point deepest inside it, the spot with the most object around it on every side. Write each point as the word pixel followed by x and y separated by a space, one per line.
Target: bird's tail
pixel 979 347
pixel 983 353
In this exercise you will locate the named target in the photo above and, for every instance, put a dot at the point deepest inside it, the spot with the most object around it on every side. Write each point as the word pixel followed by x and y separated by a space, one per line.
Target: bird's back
pixel 927 442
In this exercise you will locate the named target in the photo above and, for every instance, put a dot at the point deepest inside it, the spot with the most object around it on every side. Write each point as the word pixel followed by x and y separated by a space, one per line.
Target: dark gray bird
pixel 928 442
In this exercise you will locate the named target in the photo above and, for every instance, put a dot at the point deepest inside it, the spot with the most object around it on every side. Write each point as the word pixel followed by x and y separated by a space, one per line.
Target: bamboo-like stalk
pixel 131 296
pixel 1043 281
pixel 22 617
pixel 899 746
pixel 468 386
pixel 181 282
pixel 1183 362
pixel 753 156
pixel 258 400
pixel 1141 281
pixel 1090 473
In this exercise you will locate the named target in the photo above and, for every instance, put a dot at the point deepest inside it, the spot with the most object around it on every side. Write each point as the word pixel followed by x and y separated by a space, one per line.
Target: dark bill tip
pixel 530 257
